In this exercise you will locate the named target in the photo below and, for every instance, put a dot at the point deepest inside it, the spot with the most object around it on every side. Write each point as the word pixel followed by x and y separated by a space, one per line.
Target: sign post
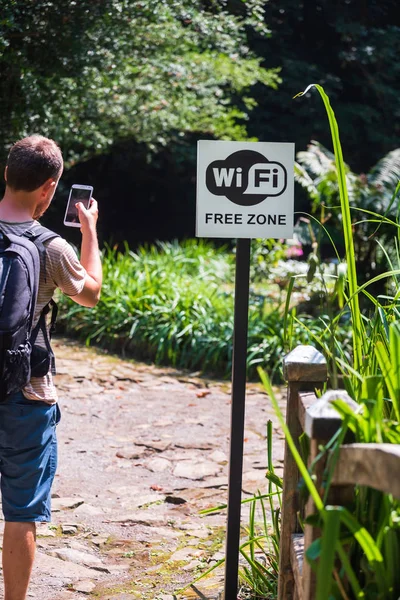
pixel 244 191
pixel 239 356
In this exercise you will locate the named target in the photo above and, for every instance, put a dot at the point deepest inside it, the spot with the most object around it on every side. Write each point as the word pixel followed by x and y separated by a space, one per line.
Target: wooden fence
pixel 373 465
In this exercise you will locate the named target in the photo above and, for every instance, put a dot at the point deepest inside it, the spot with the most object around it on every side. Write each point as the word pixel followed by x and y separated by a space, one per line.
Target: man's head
pixel 34 164
pixel 31 162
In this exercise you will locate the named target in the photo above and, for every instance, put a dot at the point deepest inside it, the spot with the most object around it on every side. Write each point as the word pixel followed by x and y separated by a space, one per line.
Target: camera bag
pixel 22 257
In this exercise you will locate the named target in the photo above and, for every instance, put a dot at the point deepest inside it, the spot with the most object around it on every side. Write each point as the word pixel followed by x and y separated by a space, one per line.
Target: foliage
pixel 349 48
pixel 267 254
pixel 370 193
pixel 173 304
pixel 365 542
pixel 91 73
pixel 363 327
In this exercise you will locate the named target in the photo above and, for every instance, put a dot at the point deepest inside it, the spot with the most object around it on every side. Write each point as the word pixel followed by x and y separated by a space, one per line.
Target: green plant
pixel 367 328
pixel 149 71
pixel 372 192
pixel 368 540
pixel 172 303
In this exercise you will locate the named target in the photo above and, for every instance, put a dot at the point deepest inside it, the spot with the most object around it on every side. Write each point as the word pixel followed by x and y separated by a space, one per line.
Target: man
pixel 28 446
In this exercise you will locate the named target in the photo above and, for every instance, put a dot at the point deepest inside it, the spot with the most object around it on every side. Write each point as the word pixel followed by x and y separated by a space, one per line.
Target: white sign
pixel 245 189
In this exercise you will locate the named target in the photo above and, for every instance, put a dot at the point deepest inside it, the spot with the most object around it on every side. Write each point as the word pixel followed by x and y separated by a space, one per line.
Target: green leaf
pixel 330 536
pixel 367 544
pixel 358 330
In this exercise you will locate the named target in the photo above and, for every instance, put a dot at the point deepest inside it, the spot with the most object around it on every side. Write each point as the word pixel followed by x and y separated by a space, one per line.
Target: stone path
pixel 141 451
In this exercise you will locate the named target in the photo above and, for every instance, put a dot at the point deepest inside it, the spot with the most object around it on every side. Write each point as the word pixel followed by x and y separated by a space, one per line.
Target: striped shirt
pixel 63 271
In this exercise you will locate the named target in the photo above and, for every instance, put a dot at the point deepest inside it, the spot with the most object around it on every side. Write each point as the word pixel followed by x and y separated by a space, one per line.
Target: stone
pixel 85 586
pixel 77 545
pixel 158 445
pixel 185 554
pixel 85 509
pixel 165 533
pixel 195 445
pixel 132 454
pixel 219 457
pixel 45 530
pixel 125 490
pixel 143 500
pixel 157 464
pixel 175 500
pixel 253 481
pixel 77 556
pixel 199 533
pixel 100 540
pixel 124 505
pixel 69 529
pixel 200 493
pixel 120 597
pixel 52 566
pixel 218 482
pixel 218 556
pixel 141 517
pixel 196 470
pixel 191 566
pixel 58 504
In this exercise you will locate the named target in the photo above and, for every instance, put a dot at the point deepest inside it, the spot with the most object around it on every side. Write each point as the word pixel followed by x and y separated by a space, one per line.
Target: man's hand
pixel 88 216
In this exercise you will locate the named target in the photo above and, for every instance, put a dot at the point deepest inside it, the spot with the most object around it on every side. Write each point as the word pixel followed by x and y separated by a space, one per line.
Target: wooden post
pixel 373 465
pixel 304 368
pixel 322 421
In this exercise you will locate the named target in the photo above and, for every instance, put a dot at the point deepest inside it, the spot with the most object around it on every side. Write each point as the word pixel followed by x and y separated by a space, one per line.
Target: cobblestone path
pixel 142 450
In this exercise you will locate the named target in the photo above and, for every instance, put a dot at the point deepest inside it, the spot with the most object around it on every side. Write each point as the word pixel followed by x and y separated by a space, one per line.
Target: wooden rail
pixel 358 464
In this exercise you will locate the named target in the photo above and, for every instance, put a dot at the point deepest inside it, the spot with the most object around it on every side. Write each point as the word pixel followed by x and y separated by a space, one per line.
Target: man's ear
pixel 48 186
pixel 5 174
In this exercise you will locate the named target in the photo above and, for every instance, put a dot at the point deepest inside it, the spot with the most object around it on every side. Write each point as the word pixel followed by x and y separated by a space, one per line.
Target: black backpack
pixel 21 259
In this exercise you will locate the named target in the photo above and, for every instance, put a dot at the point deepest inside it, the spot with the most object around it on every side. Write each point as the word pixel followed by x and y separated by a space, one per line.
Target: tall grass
pixel 358 553
pixel 358 329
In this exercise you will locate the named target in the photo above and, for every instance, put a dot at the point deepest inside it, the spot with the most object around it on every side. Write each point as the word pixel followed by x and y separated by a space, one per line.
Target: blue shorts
pixel 28 457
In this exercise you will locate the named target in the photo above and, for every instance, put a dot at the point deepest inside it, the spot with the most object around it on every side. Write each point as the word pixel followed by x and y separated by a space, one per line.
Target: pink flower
pixel 294 252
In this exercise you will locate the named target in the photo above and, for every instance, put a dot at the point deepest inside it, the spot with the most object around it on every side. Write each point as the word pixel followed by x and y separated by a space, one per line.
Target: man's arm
pixel 90 256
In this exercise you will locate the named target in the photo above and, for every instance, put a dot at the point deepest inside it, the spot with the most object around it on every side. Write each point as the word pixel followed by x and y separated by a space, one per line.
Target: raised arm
pixel 90 256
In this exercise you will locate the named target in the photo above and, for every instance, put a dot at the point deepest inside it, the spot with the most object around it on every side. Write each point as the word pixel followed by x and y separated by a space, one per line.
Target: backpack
pixel 21 259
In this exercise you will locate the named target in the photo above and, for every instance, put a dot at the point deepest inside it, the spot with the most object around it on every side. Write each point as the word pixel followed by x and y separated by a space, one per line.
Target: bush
pixel 173 304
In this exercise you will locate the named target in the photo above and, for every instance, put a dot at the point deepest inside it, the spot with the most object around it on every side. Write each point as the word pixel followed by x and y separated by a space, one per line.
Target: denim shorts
pixel 28 458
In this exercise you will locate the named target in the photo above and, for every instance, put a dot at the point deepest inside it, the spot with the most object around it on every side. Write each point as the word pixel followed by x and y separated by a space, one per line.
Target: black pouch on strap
pixel 42 358
pixel 40 361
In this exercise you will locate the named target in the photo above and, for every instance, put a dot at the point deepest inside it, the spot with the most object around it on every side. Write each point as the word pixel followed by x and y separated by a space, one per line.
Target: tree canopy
pixel 351 49
pixel 94 72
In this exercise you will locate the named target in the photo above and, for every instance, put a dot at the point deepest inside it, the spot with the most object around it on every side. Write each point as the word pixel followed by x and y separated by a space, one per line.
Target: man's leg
pixel 28 461
pixel 19 545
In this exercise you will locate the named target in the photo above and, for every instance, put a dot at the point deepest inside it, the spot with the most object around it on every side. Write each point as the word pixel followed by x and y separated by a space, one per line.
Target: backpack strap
pixel 21 242
pixel 39 235
pixel 41 326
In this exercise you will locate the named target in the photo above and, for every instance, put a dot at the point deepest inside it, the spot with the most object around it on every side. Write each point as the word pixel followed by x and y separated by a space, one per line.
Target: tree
pixel 90 73
pixel 349 47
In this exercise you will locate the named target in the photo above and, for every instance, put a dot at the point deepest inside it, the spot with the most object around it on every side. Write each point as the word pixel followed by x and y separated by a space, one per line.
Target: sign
pixel 245 189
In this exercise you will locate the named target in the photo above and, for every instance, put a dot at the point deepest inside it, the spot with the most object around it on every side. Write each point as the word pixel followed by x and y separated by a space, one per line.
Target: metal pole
pixel 237 417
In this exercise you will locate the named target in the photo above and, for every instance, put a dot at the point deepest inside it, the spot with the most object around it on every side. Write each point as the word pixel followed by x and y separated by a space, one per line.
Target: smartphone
pixel 78 193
